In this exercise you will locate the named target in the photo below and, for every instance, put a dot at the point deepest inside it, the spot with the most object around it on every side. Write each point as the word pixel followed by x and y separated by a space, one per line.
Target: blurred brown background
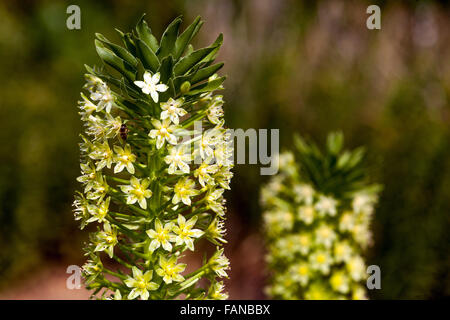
pixel 300 66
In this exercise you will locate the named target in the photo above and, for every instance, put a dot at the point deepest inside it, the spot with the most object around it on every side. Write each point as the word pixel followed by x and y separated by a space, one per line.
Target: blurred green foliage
pixel 301 66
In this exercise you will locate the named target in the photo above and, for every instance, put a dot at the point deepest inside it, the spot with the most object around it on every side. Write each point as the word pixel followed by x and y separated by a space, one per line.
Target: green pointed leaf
pixel 128 42
pixel 335 141
pixel 89 69
pixel 145 34
pixel 301 144
pixel 166 69
pixel 356 157
pixel 137 106
pixel 171 89
pixel 197 76
pixel 332 171
pixel 186 63
pixel 131 46
pixel 128 91
pixel 205 73
pixel 164 96
pixel 183 40
pixel 212 55
pixel 343 160
pixel 148 57
pixel 207 87
pixel 114 61
pixel 118 50
pixel 168 39
pixel 189 49
pixel 140 68
pixel 112 81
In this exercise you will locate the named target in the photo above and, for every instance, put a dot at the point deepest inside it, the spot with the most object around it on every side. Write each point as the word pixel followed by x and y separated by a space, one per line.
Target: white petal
pixel 172 139
pixel 146 90
pixel 154 245
pixel 184 167
pixel 167 279
pixel 178 241
pixel 176 199
pixel 161 87
pixel 190 244
pixel 167 246
pixel 126 189
pixel 140 84
pixel 174 119
pixel 108 107
pixel 164 115
pixel 153 133
pixel 186 201
pixel 118 168
pixel 147 77
pixel 154 95
pixel 172 168
pixel 143 203
pixel 131 200
pixel 155 78
pixel 133 294
pixel 159 142
pixel 130 168
pixel 145 295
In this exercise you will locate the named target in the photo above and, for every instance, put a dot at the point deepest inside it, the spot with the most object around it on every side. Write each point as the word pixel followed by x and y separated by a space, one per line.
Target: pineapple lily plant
pixel 153 179
pixel 317 213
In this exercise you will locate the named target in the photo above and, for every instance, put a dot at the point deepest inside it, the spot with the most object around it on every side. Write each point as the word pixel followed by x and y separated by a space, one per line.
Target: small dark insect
pixel 123 132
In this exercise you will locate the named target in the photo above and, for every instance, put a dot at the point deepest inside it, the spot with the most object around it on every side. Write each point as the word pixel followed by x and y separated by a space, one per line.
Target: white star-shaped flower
pixel 161 236
pixel 151 85
pixel 137 191
pixel 172 110
pixel 178 157
pixel 169 270
pixel 184 189
pixel 163 132
pixel 326 205
pixel 140 283
pixel 184 232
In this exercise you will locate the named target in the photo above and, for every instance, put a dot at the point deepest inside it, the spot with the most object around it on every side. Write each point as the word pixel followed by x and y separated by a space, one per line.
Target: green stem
pixel 192 119
pixel 123 216
pixel 118 179
pixel 123 262
pixel 115 274
pixel 133 251
pixel 124 229
pixel 118 196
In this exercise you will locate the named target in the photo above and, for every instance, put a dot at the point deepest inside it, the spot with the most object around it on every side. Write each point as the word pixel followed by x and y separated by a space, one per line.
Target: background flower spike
pixel 317 214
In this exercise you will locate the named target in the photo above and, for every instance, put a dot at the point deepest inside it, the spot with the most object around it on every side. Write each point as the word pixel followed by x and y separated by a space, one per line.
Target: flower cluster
pixel 316 235
pixel 153 182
